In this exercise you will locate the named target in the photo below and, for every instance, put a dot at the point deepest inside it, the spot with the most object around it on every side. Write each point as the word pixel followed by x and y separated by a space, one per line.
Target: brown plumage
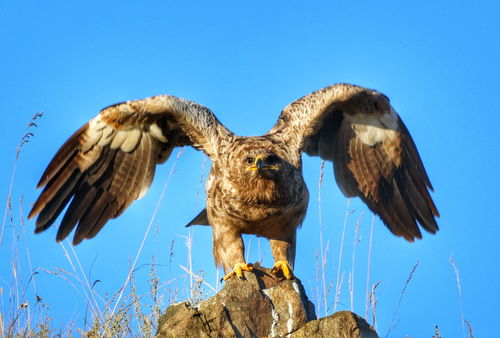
pixel 255 184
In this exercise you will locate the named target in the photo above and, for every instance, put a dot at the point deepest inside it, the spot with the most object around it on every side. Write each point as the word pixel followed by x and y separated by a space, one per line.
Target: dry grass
pixel 323 251
pixel 436 334
pixel 373 304
pixel 396 313
pixel 126 312
pixel 357 240
pixel 338 284
pixel 368 270
pixel 459 286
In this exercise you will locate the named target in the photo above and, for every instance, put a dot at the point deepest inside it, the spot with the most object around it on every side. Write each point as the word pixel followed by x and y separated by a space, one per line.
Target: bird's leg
pixel 229 251
pixel 284 256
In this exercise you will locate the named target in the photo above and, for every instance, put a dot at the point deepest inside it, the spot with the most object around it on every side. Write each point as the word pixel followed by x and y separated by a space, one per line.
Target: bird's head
pixel 262 164
pixel 259 171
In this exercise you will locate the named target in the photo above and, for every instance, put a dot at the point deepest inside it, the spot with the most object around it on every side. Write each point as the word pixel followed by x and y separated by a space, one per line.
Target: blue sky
pixel 438 62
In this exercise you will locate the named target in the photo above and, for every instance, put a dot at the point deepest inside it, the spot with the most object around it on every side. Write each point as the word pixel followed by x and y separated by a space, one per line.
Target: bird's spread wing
pixel 373 153
pixel 110 161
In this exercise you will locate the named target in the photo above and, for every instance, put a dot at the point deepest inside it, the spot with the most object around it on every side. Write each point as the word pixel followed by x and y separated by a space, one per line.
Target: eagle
pixel 255 185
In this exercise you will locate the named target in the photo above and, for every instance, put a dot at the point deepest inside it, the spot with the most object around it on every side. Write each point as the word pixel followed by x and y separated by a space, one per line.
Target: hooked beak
pixel 259 163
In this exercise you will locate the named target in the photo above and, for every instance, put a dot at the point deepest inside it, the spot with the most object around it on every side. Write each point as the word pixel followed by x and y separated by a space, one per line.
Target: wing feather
pixel 58 200
pixel 137 181
pixel 78 207
pixel 62 157
pixel 110 161
pixel 373 153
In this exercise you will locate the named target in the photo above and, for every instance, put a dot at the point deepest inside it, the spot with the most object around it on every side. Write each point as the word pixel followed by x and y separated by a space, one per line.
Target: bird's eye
pixel 273 159
pixel 249 160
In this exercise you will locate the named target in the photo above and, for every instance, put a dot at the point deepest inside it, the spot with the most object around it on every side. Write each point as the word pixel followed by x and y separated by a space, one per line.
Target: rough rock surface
pixel 260 306
pixel 342 324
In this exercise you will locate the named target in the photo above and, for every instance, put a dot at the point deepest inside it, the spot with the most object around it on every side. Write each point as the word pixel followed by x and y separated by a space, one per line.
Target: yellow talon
pixel 238 270
pixel 284 267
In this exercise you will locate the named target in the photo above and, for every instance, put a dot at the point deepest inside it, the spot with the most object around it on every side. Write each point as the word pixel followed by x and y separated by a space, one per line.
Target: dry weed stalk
pixel 469 327
pixel 459 286
pixel 25 139
pixel 323 252
pixel 202 179
pixel 373 304
pixel 436 334
pixel 171 255
pixel 357 239
pixel 199 278
pixel 337 294
pixel 368 270
pixel 396 313
pixel 315 295
pixel 248 249
pixel 338 284
pixel 20 311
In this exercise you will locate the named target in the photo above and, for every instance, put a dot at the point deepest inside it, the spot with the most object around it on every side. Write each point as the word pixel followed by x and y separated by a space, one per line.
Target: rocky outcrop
pixel 342 324
pixel 260 306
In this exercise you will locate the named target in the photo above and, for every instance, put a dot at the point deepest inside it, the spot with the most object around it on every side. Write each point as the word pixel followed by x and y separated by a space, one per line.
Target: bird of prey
pixel 255 185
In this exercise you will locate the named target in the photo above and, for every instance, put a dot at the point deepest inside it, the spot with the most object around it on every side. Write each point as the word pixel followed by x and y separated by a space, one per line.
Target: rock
pixel 262 305
pixel 342 324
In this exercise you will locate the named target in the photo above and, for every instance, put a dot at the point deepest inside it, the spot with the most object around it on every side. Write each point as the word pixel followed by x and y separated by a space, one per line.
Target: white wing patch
pixel 157 133
pixel 371 135
pixel 102 134
pixel 119 139
pixel 373 129
pixel 107 135
pixel 133 138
